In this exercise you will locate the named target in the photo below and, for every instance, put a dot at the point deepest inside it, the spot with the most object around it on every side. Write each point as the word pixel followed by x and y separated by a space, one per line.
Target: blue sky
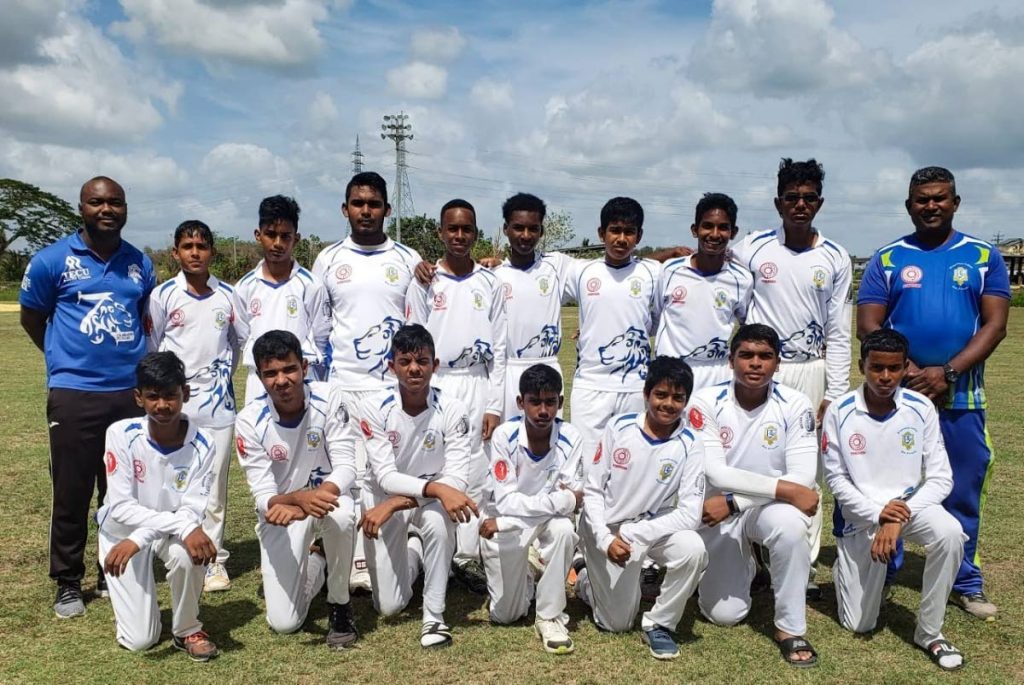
pixel 202 107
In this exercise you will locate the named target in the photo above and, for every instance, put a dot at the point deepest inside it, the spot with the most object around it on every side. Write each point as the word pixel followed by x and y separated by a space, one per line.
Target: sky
pixel 200 108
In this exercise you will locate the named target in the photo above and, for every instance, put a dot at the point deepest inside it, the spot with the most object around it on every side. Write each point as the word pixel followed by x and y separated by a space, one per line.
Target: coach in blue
pixel 949 294
pixel 82 304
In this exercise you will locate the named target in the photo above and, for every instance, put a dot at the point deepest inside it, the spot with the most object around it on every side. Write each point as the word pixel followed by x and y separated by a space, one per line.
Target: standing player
pixel 948 293
pixel 193 315
pixel 702 297
pixel 802 290
pixel 617 302
pixel 535 487
pixel 887 467
pixel 463 308
pixel 158 477
pixel 418 451
pixel 296 450
pixel 643 493
pixel 279 294
pixel 763 489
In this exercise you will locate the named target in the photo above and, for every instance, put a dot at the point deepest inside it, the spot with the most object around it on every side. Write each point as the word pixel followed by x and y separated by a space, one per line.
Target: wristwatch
pixel 951 374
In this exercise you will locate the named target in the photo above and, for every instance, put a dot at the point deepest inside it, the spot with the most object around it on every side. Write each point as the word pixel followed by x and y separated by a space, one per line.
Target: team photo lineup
pixel 402 429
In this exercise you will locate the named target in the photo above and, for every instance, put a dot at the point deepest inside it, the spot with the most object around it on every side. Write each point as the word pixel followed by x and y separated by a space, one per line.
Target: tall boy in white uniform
pixel 887 466
pixel 193 315
pixel 761 489
pixel 158 481
pixel 643 492
pixel 463 308
pixel 418 450
pixel 535 487
pixel 297 452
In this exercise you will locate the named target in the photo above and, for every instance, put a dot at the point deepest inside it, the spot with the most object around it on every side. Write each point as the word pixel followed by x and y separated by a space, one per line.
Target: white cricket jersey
pixel 617 316
pixel 152 492
pixel 466 317
pixel 527 486
pixel 776 440
pixel 533 305
pixel 871 460
pixel 805 297
pixel 366 289
pixel 297 305
pixel 697 311
pixel 649 488
pixel 201 331
pixel 278 459
pixel 404 453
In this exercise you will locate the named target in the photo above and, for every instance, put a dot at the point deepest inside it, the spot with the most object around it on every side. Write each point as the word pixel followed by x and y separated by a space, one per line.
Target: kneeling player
pixel 762 489
pixel 158 484
pixel 299 459
pixel 886 464
pixel 536 487
pixel 643 493
pixel 417 454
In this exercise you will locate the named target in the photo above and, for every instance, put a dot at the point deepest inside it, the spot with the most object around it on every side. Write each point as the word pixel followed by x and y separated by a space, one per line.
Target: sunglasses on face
pixel 808 198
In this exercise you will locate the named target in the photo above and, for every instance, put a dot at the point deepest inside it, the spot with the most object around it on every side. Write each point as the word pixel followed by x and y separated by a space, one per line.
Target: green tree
pixel 420 233
pixel 558 231
pixel 308 248
pixel 33 215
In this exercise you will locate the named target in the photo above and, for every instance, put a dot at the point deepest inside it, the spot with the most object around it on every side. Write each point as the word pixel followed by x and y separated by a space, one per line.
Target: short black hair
pixel 624 209
pixel 523 202
pixel 412 338
pixel 674 370
pixel 275 345
pixel 370 179
pixel 540 378
pixel 279 208
pixel 756 332
pixel 932 174
pixel 716 201
pixel 192 228
pixel 457 203
pixel 160 371
pixel 884 340
pixel 798 173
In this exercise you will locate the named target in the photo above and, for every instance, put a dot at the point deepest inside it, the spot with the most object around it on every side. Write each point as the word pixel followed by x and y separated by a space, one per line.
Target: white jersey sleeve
pixel 838 337
pixel 380 456
pixel 255 461
pixel 596 473
pixel 341 437
pixel 855 504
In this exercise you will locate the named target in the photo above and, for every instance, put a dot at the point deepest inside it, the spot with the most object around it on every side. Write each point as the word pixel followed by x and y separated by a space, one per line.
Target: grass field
pixel 36 647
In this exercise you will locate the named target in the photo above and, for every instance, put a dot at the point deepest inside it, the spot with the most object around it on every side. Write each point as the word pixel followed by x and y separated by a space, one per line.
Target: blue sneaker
pixel 662 644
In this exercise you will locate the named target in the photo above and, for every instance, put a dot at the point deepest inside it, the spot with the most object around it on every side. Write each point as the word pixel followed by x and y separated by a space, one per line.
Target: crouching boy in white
pixel 886 464
pixel 535 487
pixel 299 459
pixel 158 485
pixel 643 493
pixel 760 489
pixel 417 454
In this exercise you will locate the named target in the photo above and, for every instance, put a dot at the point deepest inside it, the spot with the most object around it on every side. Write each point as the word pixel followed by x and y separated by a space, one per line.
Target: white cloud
pixel 241 167
pixel 323 114
pixel 492 95
pixel 437 45
pixel 24 25
pixel 418 80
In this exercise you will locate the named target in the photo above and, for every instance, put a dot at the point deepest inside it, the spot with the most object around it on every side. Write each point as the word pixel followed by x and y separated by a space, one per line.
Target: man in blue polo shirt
pixel 949 294
pixel 82 304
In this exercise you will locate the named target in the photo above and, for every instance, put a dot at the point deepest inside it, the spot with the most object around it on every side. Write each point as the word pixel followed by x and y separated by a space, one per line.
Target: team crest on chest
pixel 180 478
pixel 771 435
pixel 819 277
pixel 665 471
pixel 391 275
pixel 636 288
pixel 292 305
pixel 220 319
pixel 478 300
pixel 135 273
pixel 429 440
pixel 544 285
pixel 908 440
pixel 960 276
pixel 721 299
pixel 313 439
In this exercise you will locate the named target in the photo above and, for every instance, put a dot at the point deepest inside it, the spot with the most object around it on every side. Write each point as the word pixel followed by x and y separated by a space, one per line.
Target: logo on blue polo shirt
pixel 107 317
pixel 73 270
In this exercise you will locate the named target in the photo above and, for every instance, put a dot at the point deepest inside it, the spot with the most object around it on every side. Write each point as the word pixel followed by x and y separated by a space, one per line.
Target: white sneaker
pixel 359 580
pixel 554 637
pixel 217 579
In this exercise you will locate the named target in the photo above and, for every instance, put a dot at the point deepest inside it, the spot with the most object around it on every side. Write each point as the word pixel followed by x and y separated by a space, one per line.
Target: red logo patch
pixel 343 273
pixel 593 285
pixel 365 427
pixel 911 275
pixel 679 295
pixel 111 462
pixel 278 452
pixel 857 443
pixel 177 318
pixel 501 470
pixel 240 445
pixel 769 271
pixel 824 442
pixel 620 458
pixel 597 454
pixel 140 470
pixel 696 418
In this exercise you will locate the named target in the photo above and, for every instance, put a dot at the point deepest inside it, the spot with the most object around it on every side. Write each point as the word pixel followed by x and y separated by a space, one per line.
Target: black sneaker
pixel 69 602
pixel 471 574
pixel 101 582
pixel 650 583
pixel 341 628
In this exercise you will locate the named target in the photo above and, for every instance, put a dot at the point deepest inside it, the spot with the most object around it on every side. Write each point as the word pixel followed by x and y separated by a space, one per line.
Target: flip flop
pixel 791 645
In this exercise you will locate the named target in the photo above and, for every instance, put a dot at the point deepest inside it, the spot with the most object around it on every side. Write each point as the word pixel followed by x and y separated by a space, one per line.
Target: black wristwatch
pixel 951 374
pixel 731 503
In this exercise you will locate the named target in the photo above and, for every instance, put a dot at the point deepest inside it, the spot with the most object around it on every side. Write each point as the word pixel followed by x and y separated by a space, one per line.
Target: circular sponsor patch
pixel 439 300
pixel 240 445
pixel 278 452
pixel 593 285
pixel 255 306
pixel 394 438
pixel 343 273
pixel 506 290
pixel 911 274
pixel 111 461
pixel 696 418
pixel 769 270
pixel 501 470
pixel 620 457
pixel 177 317
pixel 678 295
pixel 857 442
pixel 139 470
pixel 725 435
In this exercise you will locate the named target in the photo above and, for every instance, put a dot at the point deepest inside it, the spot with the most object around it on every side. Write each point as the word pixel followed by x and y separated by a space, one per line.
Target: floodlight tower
pixel 357 159
pixel 397 128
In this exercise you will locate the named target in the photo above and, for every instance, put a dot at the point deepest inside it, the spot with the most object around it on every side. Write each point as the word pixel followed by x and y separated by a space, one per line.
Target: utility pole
pixel 357 159
pixel 397 128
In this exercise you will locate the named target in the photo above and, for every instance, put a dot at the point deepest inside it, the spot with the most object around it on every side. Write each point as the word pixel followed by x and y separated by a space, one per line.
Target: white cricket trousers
pixel 613 591
pixel 591 409
pixel 725 588
pixel 216 508
pixel 133 593
pixel 708 374
pixel 509 574
pixel 289 580
pixel 859 580
pixel 394 559
pixel 514 368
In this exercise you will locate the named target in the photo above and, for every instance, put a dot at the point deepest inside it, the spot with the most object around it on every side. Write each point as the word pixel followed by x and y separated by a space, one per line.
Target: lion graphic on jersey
pixel 546 342
pixel 375 344
pixel 629 351
pixel 812 337
pixel 716 349
pixel 477 353
pixel 107 317
pixel 221 395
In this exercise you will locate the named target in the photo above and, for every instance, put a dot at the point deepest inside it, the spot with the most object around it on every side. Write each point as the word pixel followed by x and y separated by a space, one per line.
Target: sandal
pixel 937 649
pixel 791 645
pixel 435 635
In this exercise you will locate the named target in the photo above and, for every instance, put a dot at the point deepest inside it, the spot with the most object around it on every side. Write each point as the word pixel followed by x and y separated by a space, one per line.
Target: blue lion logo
pixel 477 353
pixel 631 351
pixel 376 344
pixel 716 349
pixel 317 476
pixel 222 394
pixel 813 337
pixel 547 342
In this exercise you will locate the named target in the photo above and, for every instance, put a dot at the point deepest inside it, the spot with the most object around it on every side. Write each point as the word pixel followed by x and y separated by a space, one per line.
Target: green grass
pixel 38 648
